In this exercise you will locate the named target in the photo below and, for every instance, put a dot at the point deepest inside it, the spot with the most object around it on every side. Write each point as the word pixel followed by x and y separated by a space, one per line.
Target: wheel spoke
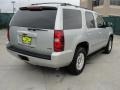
pixel 110 45
pixel 80 61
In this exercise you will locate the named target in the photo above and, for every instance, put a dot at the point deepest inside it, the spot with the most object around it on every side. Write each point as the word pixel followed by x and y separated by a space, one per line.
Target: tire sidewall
pixel 73 68
pixel 110 39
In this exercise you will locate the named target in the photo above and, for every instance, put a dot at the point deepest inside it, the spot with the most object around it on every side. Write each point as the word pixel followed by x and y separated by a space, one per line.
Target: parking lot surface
pixel 102 72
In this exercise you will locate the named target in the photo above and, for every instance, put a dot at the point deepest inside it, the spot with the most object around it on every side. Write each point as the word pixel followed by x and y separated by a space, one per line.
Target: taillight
pixel 58 40
pixel 8 34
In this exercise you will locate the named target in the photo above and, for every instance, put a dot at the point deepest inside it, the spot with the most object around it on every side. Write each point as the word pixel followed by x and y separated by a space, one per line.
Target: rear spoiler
pixel 37 8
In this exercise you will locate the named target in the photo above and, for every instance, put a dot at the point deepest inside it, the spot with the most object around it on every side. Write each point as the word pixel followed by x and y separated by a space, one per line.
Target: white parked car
pixel 58 35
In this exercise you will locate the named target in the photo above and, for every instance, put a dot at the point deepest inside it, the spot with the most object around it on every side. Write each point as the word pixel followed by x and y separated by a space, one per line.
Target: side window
pixel 100 21
pixel 72 19
pixel 90 20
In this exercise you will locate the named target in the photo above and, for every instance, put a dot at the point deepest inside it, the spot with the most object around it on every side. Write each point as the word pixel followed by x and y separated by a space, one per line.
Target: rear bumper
pixel 12 48
pixel 55 60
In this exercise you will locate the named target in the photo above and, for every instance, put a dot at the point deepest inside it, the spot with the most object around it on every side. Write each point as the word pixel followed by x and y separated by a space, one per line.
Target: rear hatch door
pixel 32 29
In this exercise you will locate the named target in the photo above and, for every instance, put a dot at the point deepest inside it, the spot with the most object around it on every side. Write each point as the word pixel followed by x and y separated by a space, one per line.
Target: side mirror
pixel 103 25
pixel 110 24
pixel 100 25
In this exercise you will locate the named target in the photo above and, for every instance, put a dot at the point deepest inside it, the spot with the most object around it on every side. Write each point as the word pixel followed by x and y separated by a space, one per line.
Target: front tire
pixel 78 63
pixel 108 48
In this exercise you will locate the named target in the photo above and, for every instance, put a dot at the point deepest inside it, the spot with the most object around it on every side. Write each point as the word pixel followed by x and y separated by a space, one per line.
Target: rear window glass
pixel 72 19
pixel 44 19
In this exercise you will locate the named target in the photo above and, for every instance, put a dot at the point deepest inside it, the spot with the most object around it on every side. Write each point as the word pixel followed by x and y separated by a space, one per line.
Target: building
pixel 110 9
pixel 104 7
pixel 107 7
pixel 86 4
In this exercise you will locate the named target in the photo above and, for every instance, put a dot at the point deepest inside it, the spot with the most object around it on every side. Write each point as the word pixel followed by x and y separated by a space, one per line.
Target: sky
pixel 6 5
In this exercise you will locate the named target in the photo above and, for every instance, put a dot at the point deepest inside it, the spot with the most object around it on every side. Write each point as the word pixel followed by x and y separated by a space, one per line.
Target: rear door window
pixel 44 19
pixel 100 21
pixel 90 21
pixel 72 19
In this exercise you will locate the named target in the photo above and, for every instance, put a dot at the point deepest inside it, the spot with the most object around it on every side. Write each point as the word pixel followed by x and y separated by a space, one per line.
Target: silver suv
pixel 58 35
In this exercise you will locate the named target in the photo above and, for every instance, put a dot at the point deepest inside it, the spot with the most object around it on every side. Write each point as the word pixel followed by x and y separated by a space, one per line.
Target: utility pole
pixel 13 3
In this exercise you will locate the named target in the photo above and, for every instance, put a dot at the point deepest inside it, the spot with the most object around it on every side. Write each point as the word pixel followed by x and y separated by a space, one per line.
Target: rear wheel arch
pixel 109 45
pixel 84 45
pixel 111 35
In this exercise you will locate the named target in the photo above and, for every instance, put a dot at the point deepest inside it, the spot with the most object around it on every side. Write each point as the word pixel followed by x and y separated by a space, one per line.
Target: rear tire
pixel 108 48
pixel 78 62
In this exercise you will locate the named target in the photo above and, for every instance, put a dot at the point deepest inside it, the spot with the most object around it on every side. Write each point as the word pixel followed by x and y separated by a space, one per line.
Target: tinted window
pixel 101 2
pixel 72 19
pixel 98 2
pixel 100 21
pixel 90 20
pixel 115 2
pixel 36 19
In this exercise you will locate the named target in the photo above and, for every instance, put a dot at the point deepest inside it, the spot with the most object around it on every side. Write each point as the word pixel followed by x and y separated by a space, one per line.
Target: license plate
pixel 26 39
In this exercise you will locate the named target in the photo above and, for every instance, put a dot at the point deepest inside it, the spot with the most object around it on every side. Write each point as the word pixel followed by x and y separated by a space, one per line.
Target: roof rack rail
pixel 46 3
pixel 62 4
pixel 68 4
